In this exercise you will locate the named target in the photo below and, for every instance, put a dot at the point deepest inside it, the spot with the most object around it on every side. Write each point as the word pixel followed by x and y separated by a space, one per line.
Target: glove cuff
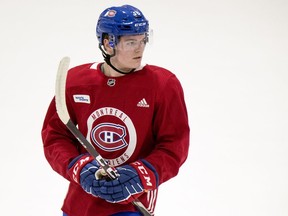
pixel 76 165
pixel 147 174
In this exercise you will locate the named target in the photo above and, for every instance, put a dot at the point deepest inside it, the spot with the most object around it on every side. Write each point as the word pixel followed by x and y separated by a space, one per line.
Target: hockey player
pixel 134 115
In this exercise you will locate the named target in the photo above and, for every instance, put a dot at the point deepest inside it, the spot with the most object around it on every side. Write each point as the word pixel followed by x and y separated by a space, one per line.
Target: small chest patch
pixel 81 98
pixel 111 82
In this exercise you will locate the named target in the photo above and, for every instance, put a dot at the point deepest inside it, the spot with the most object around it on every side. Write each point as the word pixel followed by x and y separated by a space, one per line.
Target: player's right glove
pixel 133 180
pixel 83 171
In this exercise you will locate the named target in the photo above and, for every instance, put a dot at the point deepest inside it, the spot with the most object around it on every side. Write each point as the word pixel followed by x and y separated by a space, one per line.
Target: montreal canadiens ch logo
pixel 109 137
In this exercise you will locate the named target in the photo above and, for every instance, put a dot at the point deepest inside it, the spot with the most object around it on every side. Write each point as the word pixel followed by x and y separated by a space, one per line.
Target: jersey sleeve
pixel 171 129
pixel 58 142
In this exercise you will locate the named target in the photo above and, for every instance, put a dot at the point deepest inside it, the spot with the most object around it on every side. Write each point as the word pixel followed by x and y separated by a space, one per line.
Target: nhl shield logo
pixel 111 82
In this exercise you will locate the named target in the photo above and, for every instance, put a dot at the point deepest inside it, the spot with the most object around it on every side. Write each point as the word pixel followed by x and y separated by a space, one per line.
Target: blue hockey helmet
pixel 119 21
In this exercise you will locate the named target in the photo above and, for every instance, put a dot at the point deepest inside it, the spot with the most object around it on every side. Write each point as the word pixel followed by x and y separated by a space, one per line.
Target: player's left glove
pixel 134 180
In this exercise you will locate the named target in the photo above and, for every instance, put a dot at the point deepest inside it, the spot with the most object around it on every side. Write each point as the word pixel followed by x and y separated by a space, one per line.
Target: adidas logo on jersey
pixel 143 103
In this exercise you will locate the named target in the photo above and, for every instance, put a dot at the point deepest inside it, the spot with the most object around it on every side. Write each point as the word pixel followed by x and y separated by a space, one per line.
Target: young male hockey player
pixel 134 115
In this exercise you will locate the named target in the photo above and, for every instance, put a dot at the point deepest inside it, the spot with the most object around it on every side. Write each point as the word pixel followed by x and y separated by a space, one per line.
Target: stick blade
pixel 60 88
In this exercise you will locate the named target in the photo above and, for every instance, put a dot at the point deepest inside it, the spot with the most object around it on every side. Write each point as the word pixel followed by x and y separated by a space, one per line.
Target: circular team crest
pixel 112 131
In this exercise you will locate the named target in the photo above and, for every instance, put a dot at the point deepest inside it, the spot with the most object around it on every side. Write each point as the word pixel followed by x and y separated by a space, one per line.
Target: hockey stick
pixel 60 97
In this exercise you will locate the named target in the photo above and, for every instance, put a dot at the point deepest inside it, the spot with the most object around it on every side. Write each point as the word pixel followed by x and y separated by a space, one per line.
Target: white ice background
pixel 232 59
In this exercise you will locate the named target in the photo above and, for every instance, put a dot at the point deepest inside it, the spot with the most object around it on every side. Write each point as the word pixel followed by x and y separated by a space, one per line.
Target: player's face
pixel 129 52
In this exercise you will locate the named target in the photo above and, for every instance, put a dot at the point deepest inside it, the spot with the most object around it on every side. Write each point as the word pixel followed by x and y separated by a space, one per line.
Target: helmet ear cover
pixel 111 38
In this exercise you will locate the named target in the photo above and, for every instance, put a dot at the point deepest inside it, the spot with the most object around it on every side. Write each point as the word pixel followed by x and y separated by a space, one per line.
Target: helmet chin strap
pixel 107 58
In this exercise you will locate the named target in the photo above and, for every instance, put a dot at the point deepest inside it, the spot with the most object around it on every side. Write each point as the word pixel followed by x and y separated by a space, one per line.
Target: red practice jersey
pixel 141 115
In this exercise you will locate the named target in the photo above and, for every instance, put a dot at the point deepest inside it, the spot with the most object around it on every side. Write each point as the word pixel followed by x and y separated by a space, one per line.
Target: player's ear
pixel 107 46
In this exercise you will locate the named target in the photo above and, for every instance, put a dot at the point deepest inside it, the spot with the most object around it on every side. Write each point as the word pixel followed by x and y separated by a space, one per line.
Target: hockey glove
pixel 134 180
pixel 83 171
